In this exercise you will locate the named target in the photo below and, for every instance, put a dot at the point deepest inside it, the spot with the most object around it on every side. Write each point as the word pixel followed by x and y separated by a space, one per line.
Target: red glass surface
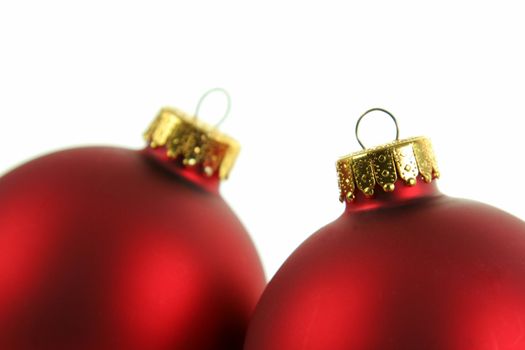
pixel 107 248
pixel 411 269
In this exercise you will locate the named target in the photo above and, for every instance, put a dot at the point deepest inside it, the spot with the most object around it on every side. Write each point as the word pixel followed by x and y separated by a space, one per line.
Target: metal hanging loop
pixel 370 111
pixel 228 104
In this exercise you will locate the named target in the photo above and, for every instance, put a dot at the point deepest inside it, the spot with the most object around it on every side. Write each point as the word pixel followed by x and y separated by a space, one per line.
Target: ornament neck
pixel 403 194
pixel 188 173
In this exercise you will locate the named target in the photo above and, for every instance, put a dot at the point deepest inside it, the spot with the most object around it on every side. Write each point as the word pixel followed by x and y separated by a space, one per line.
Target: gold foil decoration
pixel 193 143
pixel 384 165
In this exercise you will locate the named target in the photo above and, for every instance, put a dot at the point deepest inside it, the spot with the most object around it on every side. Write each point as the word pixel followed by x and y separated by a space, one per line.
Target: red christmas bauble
pixel 108 248
pixel 405 267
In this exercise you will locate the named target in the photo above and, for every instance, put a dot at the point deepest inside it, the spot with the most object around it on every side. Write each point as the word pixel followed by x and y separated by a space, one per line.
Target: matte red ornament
pixel 108 248
pixel 404 267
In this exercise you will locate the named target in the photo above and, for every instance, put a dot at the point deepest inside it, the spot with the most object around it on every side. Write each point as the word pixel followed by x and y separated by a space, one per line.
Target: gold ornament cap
pixel 406 160
pixel 193 143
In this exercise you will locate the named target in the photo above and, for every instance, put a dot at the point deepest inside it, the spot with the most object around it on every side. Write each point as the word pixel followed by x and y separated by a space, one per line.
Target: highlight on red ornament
pixel 404 267
pixel 112 248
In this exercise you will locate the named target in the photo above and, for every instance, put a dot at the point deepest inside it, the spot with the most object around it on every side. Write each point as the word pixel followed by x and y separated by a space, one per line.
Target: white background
pixel 300 73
